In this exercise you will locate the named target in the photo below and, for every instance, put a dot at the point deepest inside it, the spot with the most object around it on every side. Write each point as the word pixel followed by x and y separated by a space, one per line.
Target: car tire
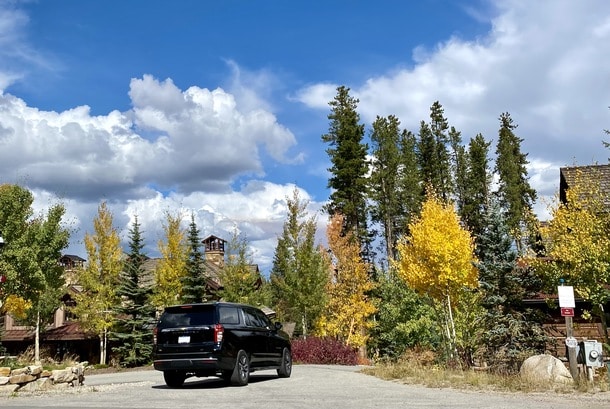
pixel 174 379
pixel 285 368
pixel 241 371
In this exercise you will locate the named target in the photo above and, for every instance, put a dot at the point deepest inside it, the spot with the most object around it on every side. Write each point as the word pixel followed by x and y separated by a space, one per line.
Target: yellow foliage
pixel 438 257
pixel 577 241
pixel 16 306
pixel 349 309
pixel 172 266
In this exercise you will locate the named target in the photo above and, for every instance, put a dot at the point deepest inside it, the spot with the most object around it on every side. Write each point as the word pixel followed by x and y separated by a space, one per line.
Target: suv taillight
pixel 219 331
pixel 155 330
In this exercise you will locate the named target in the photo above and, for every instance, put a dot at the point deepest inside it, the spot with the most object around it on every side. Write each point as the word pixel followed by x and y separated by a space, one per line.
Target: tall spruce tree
pixel 477 190
pixel 394 185
pixel 459 168
pixel 135 313
pixel 433 155
pixel 516 194
pixel 383 186
pixel 442 162
pixel 349 168
pixel 300 269
pixel 511 331
pixel 194 288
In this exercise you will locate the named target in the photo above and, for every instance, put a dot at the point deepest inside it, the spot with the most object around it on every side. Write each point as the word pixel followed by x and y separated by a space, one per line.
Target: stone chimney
pixel 215 250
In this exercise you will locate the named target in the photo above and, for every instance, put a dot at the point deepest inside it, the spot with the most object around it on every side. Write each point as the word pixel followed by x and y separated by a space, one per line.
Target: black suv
pixel 218 339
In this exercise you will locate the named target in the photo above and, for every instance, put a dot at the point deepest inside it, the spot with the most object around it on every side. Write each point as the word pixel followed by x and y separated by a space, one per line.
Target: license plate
pixel 184 339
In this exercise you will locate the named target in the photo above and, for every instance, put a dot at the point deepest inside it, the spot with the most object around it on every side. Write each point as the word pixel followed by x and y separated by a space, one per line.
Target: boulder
pixel 4 380
pixel 21 378
pixel 5 371
pixel 42 384
pixel 63 375
pixel 545 369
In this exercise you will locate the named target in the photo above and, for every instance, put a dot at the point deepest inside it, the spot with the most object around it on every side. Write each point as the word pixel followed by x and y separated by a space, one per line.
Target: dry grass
pixel 434 376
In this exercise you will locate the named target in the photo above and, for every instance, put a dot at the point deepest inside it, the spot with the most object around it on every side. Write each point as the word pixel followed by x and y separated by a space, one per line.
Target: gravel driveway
pixel 311 386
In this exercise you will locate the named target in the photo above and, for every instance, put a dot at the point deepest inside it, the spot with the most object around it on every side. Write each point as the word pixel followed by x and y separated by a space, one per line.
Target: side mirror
pixel 278 326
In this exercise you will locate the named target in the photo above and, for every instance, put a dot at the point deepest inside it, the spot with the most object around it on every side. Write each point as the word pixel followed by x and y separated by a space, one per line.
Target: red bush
pixel 326 351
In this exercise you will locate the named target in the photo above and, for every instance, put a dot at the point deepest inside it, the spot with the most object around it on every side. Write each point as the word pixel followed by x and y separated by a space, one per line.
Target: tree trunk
pixel 103 347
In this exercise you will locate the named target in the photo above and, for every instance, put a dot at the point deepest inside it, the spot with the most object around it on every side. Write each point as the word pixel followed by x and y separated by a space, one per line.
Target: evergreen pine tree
pixel 443 182
pixel 432 154
pixel 349 168
pixel 459 168
pixel 477 190
pixel 516 195
pixel 383 184
pixel 194 288
pixel 511 331
pixel 135 313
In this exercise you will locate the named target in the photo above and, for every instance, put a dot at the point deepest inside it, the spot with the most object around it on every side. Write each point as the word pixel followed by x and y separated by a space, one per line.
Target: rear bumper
pixel 188 364
pixel 208 364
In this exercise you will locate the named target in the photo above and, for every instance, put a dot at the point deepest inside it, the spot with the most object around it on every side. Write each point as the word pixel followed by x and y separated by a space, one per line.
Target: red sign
pixel 567 312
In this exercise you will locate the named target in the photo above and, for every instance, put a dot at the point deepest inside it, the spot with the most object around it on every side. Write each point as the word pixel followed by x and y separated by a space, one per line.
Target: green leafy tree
pixel 240 278
pixel 300 271
pixel 347 154
pixel 135 313
pixel 29 262
pixel 96 304
pixel 171 268
pixel 394 189
pixel 516 194
pixel 404 319
pixel 511 331
pixel 194 286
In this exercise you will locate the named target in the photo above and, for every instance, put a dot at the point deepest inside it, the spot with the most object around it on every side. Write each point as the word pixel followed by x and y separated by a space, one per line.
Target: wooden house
pixel 554 325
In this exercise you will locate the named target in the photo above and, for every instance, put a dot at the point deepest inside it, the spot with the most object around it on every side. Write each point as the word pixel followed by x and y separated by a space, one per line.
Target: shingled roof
pixel 569 175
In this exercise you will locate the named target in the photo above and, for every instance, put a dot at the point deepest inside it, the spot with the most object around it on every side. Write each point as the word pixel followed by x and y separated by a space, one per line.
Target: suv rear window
pixel 187 316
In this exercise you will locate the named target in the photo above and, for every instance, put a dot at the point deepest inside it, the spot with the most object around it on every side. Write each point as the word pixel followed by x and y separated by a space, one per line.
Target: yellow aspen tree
pixel 349 307
pixel 172 266
pixel 577 243
pixel 437 258
pixel 100 278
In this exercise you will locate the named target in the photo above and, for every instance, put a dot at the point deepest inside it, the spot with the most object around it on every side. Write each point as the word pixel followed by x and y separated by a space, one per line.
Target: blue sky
pixel 217 107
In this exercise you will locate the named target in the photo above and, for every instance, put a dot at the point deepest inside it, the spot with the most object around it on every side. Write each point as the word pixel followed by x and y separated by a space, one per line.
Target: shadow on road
pixel 215 383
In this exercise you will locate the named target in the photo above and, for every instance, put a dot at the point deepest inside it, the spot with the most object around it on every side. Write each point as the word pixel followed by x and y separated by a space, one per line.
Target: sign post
pixel 567 305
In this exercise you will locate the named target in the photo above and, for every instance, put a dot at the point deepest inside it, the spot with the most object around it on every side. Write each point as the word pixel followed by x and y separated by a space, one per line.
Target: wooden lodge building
pixel 554 325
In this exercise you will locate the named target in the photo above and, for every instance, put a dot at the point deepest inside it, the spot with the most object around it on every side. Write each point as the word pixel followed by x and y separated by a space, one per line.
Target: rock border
pixel 34 378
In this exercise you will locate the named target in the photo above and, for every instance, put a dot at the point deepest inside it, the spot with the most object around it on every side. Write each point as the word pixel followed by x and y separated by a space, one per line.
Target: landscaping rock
pixel 5 371
pixel 33 378
pixel 545 368
pixel 21 378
